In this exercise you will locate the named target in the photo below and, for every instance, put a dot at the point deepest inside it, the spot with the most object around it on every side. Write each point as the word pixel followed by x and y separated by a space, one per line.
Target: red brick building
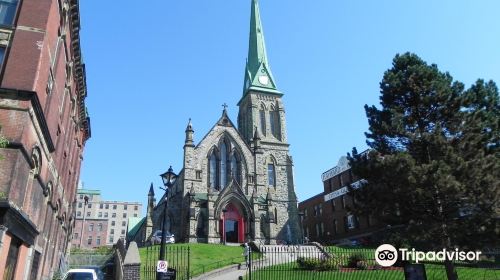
pixel 326 216
pixel 43 116
pixel 93 235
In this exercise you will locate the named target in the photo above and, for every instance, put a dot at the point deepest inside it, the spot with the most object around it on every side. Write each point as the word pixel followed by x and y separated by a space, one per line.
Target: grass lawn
pixel 434 272
pixel 291 271
pixel 203 257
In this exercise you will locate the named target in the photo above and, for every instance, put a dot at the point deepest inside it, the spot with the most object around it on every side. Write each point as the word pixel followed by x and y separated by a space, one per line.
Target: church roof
pixel 258 74
pixel 151 190
pixel 134 224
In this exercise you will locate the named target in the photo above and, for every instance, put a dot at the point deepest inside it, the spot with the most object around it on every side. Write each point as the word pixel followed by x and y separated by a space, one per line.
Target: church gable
pixel 221 155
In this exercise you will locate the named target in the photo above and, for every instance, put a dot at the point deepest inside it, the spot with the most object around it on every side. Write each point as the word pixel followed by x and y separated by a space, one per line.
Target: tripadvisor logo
pixel 386 255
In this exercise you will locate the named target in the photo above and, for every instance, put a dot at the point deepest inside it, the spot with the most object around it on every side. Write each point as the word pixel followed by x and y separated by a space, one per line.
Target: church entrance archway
pixel 233 224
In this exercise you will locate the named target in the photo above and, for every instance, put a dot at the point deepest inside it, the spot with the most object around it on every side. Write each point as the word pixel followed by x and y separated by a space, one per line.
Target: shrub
pixel 316 264
pixel 354 259
pixel 362 265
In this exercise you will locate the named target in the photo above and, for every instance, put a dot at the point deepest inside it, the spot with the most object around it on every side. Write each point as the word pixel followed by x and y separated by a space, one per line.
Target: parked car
pixel 80 274
pixel 97 269
pixel 156 237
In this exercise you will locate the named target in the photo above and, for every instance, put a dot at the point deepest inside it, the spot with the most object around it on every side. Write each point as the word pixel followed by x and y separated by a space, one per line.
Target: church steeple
pixel 261 107
pixel 258 74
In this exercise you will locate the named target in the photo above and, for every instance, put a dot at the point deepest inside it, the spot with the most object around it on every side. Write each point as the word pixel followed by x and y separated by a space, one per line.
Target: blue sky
pixel 153 65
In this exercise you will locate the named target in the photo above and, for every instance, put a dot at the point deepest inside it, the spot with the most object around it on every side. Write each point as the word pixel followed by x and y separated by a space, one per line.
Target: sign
pixel 171 274
pixel 415 272
pixel 162 266
pixel 344 190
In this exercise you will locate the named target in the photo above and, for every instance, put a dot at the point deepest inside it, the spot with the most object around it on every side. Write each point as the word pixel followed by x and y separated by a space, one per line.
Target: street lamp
pixel 86 201
pixel 224 210
pixel 168 178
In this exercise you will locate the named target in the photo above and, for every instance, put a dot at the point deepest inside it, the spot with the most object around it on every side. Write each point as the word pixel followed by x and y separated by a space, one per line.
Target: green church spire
pixel 258 74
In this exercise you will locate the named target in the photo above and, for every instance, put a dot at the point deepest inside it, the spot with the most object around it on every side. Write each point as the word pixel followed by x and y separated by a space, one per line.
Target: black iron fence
pixel 178 258
pixel 312 262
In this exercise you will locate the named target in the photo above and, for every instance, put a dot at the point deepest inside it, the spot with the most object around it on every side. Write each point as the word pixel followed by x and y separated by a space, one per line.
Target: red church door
pixel 233 225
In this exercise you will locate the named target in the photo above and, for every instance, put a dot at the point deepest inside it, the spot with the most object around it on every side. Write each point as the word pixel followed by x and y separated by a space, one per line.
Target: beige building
pixel 116 213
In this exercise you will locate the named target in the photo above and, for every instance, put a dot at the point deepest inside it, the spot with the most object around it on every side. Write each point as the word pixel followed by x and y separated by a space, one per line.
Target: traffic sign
pixel 162 266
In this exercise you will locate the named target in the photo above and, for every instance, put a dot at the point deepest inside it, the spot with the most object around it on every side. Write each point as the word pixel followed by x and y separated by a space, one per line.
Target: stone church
pixel 237 183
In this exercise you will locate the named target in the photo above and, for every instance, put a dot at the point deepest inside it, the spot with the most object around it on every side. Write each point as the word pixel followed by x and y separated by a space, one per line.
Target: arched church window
pixel 212 166
pixel 223 164
pixel 262 120
pixel 235 167
pixel 275 123
pixel 271 175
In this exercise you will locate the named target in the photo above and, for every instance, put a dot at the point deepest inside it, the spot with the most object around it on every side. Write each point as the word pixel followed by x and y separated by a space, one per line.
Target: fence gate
pixel 177 258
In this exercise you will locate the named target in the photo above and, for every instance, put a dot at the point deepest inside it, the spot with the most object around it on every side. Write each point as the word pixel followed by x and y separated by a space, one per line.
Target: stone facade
pixel 267 208
pixel 237 183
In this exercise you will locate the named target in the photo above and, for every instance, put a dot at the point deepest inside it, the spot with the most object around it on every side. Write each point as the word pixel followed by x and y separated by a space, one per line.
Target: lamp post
pixel 168 178
pixel 86 201
pixel 301 217
pixel 224 210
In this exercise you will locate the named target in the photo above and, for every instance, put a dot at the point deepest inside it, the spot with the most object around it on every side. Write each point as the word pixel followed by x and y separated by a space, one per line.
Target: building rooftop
pixel 86 191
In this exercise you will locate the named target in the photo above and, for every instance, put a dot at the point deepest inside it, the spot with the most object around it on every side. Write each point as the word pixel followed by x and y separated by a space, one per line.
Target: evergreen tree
pixel 433 173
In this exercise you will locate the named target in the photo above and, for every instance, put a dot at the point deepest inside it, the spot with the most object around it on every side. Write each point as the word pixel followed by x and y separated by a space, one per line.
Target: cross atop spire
pixel 224 106
pixel 258 72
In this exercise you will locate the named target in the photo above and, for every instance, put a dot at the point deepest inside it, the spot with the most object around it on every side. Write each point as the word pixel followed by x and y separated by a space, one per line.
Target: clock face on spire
pixel 264 80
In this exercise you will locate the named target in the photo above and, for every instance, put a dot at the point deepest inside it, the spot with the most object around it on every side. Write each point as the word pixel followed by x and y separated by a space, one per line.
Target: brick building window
pixel 335 226
pixel 75 236
pixel 111 239
pixel 89 241
pixel 99 227
pixel 351 222
pixel 98 241
pixel 125 207
pixel 91 227
pixel 318 210
pixel 88 214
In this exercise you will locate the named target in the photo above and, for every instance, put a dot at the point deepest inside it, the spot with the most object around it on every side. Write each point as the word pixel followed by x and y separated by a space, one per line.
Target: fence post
pixel 250 263
pixel 132 263
pixel 189 262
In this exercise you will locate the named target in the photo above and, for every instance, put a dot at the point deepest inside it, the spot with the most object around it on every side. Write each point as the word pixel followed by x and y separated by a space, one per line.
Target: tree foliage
pixel 434 168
